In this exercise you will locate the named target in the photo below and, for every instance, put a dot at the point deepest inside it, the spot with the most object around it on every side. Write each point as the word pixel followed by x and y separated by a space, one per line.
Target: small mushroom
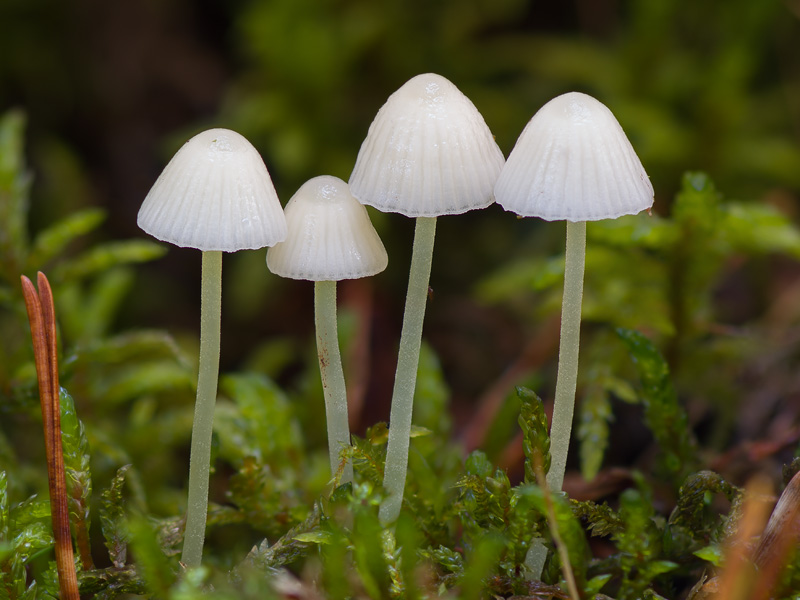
pixel 330 238
pixel 217 196
pixel 572 162
pixel 428 153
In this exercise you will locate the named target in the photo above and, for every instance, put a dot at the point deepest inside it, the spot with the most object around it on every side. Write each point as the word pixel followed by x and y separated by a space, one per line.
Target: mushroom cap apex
pixel 214 194
pixel 574 162
pixel 330 235
pixel 427 153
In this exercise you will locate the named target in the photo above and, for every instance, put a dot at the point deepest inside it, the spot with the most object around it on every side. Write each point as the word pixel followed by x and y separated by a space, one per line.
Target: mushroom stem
pixel 330 369
pixel 405 380
pixel 567 377
pixel 200 457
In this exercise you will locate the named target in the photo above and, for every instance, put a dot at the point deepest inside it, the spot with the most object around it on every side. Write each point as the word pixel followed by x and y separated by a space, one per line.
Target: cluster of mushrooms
pixel 428 153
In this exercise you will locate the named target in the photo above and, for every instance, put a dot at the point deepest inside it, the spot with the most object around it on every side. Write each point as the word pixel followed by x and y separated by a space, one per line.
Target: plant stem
pixel 200 457
pixel 567 378
pixel 330 369
pixel 405 380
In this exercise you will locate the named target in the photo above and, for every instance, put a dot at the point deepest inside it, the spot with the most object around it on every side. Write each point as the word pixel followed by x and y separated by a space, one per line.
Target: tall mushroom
pixel 428 153
pixel 217 196
pixel 330 238
pixel 572 162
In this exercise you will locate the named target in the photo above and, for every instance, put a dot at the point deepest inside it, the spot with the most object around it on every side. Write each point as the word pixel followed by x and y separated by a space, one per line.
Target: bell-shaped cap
pixel 428 153
pixel 215 194
pixel 330 236
pixel 573 162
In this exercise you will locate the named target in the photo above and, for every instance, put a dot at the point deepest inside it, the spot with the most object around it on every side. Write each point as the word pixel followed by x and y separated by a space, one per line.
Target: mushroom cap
pixel 215 194
pixel 428 153
pixel 330 235
pixel 573 162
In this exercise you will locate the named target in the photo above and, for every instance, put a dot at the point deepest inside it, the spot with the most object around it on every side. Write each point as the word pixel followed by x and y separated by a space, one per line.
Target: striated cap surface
pixel 330 236
pixel 428 153
pixel 215 194
pixel 573 162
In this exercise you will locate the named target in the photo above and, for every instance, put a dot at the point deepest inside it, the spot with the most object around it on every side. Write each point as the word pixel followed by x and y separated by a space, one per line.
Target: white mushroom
pixel 572 162
pixel 217 196
pixel 330 238
pixel 428 153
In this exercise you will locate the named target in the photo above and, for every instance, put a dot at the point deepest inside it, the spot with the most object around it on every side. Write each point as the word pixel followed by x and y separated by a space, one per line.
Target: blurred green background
pixel 112 89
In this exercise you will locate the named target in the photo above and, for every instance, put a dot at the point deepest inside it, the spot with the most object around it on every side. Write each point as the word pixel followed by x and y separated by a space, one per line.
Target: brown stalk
pixel 779 538
pixel 736 581
pixel 41 314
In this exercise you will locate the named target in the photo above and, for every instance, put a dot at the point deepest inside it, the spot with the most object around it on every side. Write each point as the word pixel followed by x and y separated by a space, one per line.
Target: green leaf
pixel 697 205
pixel 315 537
pixel 692 507
pixel 148 378
pixel 132 346
pixel 4 508
pixel 595 415
pixel 448 559
pixel 431 394
pixel 152 562
pixel 260 422
pixel 535 440
pixel 640 543
pixel 106 256
pixel 417 431
pixel 595 584
pixel 287 549
pixel 78 472
pixel 409 540
pixel 599 518
pixel 87 314
pixel 712 553
pixel 478 464
pixel 651 595
pixel 76 453
pixel 369 457
pixel 112 519
pixel 633 231
pixel 522 277
pixel 30 540
pixel 759 229
pixel 481 563
pixel 569 528
pixel 663 414
pixel 368 554
pixel 52 242
pixel 30 511
pixel 8 575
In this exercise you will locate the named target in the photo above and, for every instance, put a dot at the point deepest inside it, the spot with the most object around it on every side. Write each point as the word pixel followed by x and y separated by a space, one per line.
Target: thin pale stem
pixel 567 377
pixel 552 521
pixel 405 380
pixel 330 369
pixel 200 457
